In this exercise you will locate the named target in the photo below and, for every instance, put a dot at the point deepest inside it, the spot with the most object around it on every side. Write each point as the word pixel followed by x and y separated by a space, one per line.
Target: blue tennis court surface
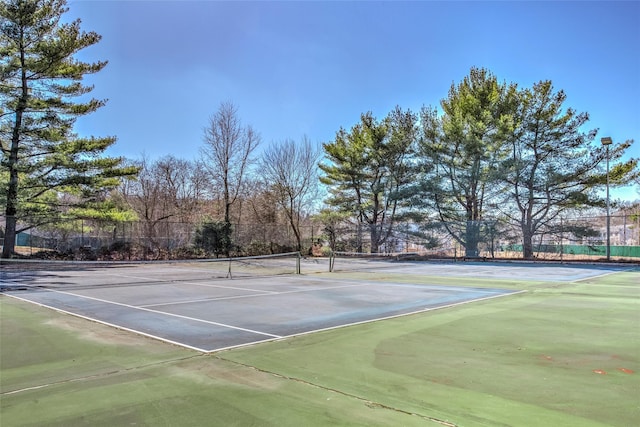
pixel 187 307
pixel 538 271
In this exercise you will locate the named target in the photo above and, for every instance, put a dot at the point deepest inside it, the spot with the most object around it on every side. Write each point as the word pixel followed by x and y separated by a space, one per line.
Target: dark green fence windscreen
pixel 592 250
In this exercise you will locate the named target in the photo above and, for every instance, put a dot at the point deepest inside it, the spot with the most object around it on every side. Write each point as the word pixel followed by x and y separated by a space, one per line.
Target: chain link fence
pixel 582 238
pixel 564 239
pixel 146 240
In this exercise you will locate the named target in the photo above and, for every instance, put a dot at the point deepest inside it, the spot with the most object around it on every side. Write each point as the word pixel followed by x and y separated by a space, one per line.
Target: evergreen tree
pixel 462 149
pixel 368 169
pixel 47 169
pixel 554 166
pixel 214 237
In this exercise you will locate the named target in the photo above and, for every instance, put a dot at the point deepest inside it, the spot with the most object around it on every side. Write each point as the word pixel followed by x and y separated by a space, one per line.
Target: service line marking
pixel 259 294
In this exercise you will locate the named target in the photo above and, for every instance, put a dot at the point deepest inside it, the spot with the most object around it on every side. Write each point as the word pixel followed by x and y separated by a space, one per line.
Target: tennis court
pixel 212 306
pixel 569 336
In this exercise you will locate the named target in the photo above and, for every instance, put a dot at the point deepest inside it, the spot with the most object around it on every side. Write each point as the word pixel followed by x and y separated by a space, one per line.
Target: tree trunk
pixel 375 237
pixel 227 223
pixel 12 189
pixel 471 239
pixel 296 232
pixel 295 226
pixel 9 246
pixel 9 237
pixel 527 243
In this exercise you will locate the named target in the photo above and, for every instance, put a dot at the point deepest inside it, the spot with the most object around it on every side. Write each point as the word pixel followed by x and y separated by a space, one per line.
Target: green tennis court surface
pixel 565 352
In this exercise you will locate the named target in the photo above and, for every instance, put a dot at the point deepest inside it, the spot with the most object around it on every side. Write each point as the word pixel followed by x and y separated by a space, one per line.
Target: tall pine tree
pixel 367 170
pixel 462 149
pixel 555 166
pixel 47 170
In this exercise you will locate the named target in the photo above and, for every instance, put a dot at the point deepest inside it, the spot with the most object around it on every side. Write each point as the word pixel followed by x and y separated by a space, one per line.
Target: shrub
pixel 214 237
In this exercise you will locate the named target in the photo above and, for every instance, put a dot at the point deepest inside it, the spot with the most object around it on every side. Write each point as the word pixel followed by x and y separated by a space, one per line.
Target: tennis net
pixel 19 274
pixel 358 261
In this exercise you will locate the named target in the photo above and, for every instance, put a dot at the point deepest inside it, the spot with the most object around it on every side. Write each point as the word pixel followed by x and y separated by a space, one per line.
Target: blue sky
pixel 309 68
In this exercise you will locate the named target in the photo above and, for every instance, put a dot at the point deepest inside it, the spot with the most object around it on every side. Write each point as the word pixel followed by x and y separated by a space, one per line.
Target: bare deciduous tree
pixel 227 153
pixel 290 170
pixel 167 189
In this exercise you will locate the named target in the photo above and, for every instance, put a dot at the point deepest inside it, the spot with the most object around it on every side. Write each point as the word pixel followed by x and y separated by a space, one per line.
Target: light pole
pixel 606 141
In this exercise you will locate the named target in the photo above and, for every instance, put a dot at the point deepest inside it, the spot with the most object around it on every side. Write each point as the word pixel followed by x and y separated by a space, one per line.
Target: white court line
pixel 610 286
pixel 113 325
pixel 606 273
pixel 269 293
pixel 362 322
pixel 193 301
pixel 165 313
pixel 253 295
pixel 181 282
pixel 272 337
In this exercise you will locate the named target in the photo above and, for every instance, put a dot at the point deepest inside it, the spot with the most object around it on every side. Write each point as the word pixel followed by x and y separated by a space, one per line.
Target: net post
pixel 298 256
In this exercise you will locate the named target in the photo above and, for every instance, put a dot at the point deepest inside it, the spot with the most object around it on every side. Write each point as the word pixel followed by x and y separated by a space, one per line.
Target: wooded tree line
pixel 489 151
